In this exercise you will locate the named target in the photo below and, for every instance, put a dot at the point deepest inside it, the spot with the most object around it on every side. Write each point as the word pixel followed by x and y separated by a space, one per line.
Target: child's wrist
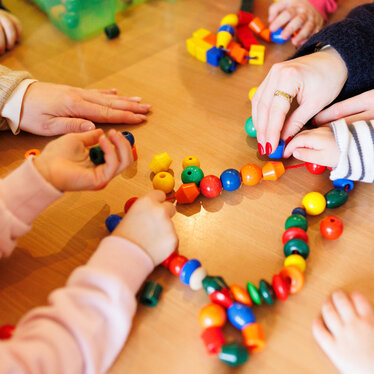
pixel 43 170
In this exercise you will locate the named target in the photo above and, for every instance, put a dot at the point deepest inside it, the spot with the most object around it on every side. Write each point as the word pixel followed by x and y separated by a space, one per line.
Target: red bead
pixel 245 36
pixel 166 262
pixel 213 339
pixel 6 332
pixel 245 18
pixel 280 287
pixel 210 186
pixel 129 203
pixel 294 233
pixel 314 168
pixel 176 264
pixel 223 297
pixel 331 227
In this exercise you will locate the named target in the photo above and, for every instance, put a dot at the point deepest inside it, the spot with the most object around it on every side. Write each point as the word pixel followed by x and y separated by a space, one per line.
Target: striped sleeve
pixel 356 145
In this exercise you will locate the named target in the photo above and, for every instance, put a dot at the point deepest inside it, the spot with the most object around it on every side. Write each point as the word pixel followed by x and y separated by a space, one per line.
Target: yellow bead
pixel 163 181
pixel 257 51
pixel 191 161
pixel 201 33
pixel 314 203
pixel 230 19
pixel 252 92
pixel 160 162
pixel 295 260
pixel 223 39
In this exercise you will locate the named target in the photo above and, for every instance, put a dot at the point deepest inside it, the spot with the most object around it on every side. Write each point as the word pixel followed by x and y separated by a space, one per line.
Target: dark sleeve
pixel 353 38
pixel 2 6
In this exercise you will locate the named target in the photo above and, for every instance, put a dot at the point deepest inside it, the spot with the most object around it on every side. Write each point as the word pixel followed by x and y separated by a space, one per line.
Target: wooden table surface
pixel 197 110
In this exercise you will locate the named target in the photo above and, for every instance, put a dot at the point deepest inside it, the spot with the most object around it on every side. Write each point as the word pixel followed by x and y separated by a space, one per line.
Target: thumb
pixel 308 155
pixel 65 125
pixel 275 9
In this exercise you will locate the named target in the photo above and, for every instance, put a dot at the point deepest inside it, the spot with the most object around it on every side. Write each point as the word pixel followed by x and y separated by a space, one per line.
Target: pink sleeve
pixel 325 6
pixel 86 323
pixel 24 194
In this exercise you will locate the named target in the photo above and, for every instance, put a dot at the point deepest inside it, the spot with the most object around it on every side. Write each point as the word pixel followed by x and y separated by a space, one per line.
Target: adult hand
pixel 65 162
pixel 296 16
pixel 52 109
pixel 10 31
pixel 317 146
pixel 357 108
pixel 314 80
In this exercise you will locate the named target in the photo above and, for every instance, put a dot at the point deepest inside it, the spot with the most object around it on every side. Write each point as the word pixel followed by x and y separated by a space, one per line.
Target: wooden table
pixel 197 110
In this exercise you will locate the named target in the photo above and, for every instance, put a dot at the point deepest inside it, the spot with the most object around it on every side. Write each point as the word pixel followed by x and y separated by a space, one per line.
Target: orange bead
pixel 212 315
pixel 265 34
pixel 294 278
pixel 238 54
pixel 187 193
pixel 273 170
pixel 240 294
pixel 251 174
pixel 134 153
pixel 32 152
pixel 256 25
pixel 211 39
pixel 254 338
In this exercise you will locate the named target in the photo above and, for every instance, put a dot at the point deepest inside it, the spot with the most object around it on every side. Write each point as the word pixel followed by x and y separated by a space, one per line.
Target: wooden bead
pixel 32 152
pixel 278 153
pixel 276 37
pixel 240 315
pixel 344 184
pixel 250 95
pixel 233 354
pixel 256 25
pixel 163 181
pixel 280 287
pixel 190 161
pixel 196 280
pixel 213 339
pixel 231 180
pixel 294 277
pixel 160 162
pixel 214 283
pixel 273 170
pixel 6 332
pixel 314 203
pixel 151 294
pixel 134 152
pixel 294 233
pixel 296 220
pixel 188 268
pixel 295 260
pixel 212 315
pixel 230 19
pixel 112 31
pixel 240 294
pixel 210 186
pixel 266 35
pixel 244 18
pixel 253 292
pixel 97 155
pixel 249 128
pixel 227 64
pixel 129 203
pixel 112 221
pixel 222 297
pixel 266 291
pixel 192 174
pixel 336 198
pixel 187 193
pixel 166 262
pixel 300 211
pixel 129 136
pixel 314 168
pixel 251 174
pixel 176 264
pixel 254 337
pixel 331 227
pixel 296 246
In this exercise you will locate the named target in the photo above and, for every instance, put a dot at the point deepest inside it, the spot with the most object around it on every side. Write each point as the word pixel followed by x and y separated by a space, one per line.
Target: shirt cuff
pixel 13 106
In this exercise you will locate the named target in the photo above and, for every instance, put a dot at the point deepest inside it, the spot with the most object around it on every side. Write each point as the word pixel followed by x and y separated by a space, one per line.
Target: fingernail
pixel 142 117
pixel 135 98
pixel 88 127
pixel 288 139
pixel 269 149
pixel 145 106
pixel 260 149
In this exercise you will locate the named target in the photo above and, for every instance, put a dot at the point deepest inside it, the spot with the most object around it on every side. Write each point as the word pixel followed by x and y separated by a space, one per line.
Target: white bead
pixel 196 279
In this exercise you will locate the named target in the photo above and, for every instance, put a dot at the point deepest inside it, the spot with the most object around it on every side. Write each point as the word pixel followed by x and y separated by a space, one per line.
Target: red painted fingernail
pixel 288 139
pixel 269 149
pixel 260 149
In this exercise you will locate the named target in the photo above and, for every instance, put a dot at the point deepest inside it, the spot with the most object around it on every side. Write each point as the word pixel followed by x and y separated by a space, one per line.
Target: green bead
pixel 71 20
pixel 249 128
pixel 336 198
pixel 296 220
pixel 112 31
pixel 212 284
pixel 72 5
pixel 151 294
pixel 192 174
pixel 227 64
pixel 233 354
pixel 253 292
pixel 296 246
pixel 97 155
pixel 267 292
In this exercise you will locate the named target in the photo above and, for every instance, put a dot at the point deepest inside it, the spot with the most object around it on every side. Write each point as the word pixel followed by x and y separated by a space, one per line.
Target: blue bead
pixel 300 211
pixel 112 221
pixel 188 268
pixel 240 315
pixel 278 153
pixel 277 38
pixel 129 137
pixel 231 180
pixel 227 28
pixel 213 56
pixel 344 184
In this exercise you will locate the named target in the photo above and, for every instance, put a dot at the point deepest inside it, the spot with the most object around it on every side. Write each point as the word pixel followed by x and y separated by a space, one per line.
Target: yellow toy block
pixel 191 46
pixel 201 33
pixel 201 49
pixel 257 51
pixel 160 162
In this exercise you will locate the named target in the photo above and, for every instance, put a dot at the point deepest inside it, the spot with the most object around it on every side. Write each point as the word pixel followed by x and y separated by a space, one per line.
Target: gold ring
pixel 285 95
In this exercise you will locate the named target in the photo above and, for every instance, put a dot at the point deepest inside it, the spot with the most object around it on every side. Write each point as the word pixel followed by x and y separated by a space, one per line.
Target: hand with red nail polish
pixel 269 149
pixel 260 149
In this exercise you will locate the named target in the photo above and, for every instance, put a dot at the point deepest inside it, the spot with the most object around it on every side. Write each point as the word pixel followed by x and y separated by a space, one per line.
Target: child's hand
pixel 357 108
pixel 66 164
pixel 10 31
pixel 296 15
pixel 148 225
pixel 317 146
pixel 53 109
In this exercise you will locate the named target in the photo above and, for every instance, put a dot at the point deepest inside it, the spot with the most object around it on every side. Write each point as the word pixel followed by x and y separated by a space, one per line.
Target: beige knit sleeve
pixel 9 80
